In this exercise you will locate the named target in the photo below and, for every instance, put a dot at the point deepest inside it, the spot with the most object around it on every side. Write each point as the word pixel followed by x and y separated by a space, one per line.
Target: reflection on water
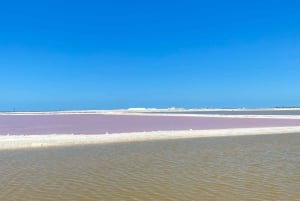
pixel 230 168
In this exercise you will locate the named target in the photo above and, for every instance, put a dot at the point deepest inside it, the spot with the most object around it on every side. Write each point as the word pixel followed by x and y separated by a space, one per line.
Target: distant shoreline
pixel 148 110
pixel 171 112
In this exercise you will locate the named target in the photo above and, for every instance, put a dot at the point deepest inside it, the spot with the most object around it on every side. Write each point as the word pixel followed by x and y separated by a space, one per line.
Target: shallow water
pixel 227 168
pixel 100 124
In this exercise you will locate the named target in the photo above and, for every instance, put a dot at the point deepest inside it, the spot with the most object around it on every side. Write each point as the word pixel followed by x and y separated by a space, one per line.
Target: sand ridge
pixel 9 142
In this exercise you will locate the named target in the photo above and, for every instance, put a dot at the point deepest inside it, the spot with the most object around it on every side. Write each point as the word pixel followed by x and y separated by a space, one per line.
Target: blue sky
pixel 118 54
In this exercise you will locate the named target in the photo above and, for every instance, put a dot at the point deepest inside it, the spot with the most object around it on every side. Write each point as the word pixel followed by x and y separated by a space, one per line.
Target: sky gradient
pixel 58 55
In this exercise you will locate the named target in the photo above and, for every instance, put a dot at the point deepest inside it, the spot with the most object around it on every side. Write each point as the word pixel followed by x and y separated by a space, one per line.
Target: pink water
pixel 99 123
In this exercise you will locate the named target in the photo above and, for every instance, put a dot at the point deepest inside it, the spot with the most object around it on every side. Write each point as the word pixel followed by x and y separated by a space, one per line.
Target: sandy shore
pixel 38 141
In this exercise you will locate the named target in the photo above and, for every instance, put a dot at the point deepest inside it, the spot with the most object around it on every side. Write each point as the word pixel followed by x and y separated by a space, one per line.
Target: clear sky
pixel 88 54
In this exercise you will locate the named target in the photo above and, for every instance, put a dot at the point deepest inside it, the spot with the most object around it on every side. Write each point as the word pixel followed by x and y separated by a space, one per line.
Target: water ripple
pixel 230 168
